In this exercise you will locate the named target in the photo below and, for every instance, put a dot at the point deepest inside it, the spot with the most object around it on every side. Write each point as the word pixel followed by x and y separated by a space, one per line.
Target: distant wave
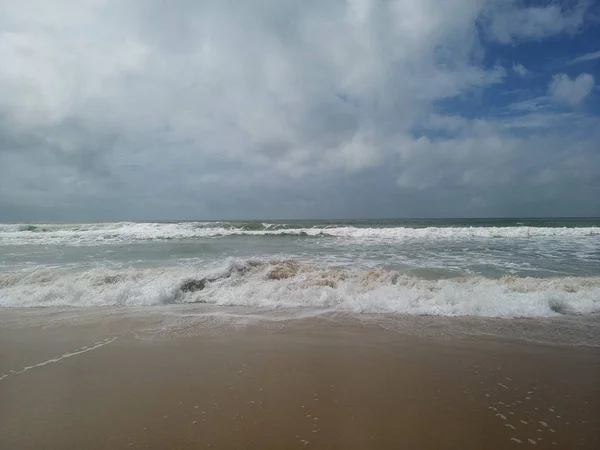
pixel 123 232
pixel 292 284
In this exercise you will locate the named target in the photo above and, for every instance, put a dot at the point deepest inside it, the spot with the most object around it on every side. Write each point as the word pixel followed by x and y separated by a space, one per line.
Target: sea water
pixel 461 267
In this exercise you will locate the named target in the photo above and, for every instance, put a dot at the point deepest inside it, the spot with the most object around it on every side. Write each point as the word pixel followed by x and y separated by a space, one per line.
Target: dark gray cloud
pixel 217 109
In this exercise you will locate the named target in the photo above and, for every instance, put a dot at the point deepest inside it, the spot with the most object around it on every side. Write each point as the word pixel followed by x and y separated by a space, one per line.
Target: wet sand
pixel 312 383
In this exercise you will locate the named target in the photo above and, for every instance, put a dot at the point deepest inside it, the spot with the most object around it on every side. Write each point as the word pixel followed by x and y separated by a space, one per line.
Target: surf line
pixel 60 358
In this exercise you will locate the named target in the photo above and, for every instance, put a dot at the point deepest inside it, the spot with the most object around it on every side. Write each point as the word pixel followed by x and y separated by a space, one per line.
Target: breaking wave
pixel 124 232
pixel 291 284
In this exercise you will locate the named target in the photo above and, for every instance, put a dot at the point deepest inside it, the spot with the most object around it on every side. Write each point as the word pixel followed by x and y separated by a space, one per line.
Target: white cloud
pixel 587 57
pixel 155 107
pixel 520 70
pixel 570 91
pixel 507 22
pixel 473 155
pixel 529 105
pixel 263 85
pixel 483 158
pixel 360 152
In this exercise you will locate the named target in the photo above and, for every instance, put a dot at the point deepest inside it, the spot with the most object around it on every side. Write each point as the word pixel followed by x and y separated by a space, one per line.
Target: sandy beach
pixel 312 383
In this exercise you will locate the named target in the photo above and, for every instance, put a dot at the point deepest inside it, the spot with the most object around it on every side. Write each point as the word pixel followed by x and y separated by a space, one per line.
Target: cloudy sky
pixel 205 109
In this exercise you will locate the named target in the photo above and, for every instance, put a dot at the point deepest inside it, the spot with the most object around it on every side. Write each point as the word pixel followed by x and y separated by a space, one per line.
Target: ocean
pixel 459 267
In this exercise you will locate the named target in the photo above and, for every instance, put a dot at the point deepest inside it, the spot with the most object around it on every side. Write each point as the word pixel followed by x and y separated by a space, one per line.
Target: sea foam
pixel 292 284
pixel 124 232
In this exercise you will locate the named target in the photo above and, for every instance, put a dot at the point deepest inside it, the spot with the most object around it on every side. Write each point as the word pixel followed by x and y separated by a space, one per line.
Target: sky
pixel 220 109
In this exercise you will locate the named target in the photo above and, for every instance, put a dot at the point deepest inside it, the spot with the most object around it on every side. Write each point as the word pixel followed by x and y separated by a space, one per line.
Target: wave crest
pixel 293 284
pixel 123 232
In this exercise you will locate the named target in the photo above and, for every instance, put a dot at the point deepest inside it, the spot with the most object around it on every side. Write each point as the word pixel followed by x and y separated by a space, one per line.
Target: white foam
pixel 57 359
pixel 102 233
pixel 251 284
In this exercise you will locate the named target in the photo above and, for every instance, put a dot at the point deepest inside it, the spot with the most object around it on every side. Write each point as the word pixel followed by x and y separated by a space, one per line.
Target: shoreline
pixel 105 381
pixel 566 330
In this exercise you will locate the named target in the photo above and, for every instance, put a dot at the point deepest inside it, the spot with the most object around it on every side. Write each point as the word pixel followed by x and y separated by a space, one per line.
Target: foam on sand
pixel 58 359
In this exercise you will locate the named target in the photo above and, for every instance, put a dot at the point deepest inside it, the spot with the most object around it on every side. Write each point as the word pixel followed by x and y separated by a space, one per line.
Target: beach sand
pixel 311 383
